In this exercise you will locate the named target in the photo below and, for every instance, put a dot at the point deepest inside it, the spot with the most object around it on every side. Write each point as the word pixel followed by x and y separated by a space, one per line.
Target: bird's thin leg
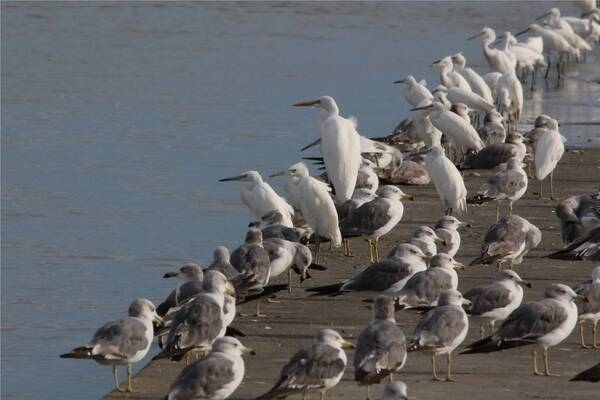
pixel 482 331
pixel 546 367
pixel 449 371
pixel 492 324
pixel 551 185
pixel 581 333
pixel 510 207
pixel 499 265
pixel 497 211
pixel 116 376
pixel 594 336
pixel 391 377
pixel 510 265
pixel 435 377
pixel 535 368
pixel 547 69
pixel 289 280
pixel 317 249
pixel 376 247
pixel 371 256
pixel 129 388
pixel 258 313
pixel 305 395
pixel 187 358
pixel 541 188
pixel 368 392
pixel 322 397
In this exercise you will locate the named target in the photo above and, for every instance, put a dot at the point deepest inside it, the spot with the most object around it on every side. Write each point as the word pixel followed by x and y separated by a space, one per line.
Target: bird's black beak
pixel 233 178
pixel 171 275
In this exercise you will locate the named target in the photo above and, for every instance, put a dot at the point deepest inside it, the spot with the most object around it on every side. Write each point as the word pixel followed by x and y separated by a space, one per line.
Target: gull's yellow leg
pixel 497 211
pixel 535 368
pixel 546 367
pixel 116 376
pixel 581 334
pixel 258 313
pixel 594 336
pixel 391 377
pixel 482 330
pixel 376 246
pixel 368 392
pixel 510 207
pixel 435 377
pixel 371 255
pixel 449 371
pixel 322 395
pixel 129 388
pixel 289 280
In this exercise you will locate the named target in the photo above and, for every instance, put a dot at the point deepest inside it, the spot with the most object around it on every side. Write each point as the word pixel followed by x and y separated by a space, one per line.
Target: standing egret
pixel 475 80
pixel 548 153
pixel 510 97
pixel 468 98
pixel 447 180
pixel 456 129
pixel 564 29
pixel 260 197
pixel 316 206
pixel 554 45
pixel 415 92
pixel 448 77
pixel 498 60
pixel 340 146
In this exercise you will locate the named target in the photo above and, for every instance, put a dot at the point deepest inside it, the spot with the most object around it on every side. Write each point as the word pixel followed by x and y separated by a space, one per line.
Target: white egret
pixel 554 20
pixel 260 197
pixel 317 206
pixel 453 126
pixel 498 60
pixel 491 78
pixel 415 92
pixel 528 60
pixel 548 152
pixel 447 180
pixel 510 97
pixel 564 29
pixel 340 146
pixel 448 77
pixel 468 98
pixel 554 45
pixel 475 80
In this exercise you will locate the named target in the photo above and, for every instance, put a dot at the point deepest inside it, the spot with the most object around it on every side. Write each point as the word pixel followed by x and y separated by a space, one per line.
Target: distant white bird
pixel 448 77
pixel 447 180
pixel 316 205
pixel 340 146
pixel 260 197
pixel 510 97
pixel 468 98
pixel 475 80
pixel 491 78
pixel 415 92
pixel 498 60
pixel 548 152
pixel 528 59
pixel 456 129
pixel 564 29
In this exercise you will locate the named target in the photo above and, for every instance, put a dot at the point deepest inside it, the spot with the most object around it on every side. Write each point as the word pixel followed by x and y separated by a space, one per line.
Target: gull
pixel 316 205
pixel 381 347
pixel 590 310
pixel 442 329
pixel 200 321
pixel 475 80
pixel 376 218
pixel 585 248
pixel 213 377
pixel 548 152
pixel 340 146
pixel 123 341
pixel 272 226
pixel 426 239
pixel 448 77
pixel 221 262
pixel 446 229
pixel 494 155
pixel 319 367
pixel 285 256
pixel 423 289
pixel 495 301
pixel 578 215
pixel 260 197
pixel 367 178
pixel 539 129
pixel 395 391
pixel 508 240
pixel 492 131
pixel 498 60
pixel 193 275
pixel 448 182
pixel 543 323
pixel 509 184
pixel 386 276
pixel 415 92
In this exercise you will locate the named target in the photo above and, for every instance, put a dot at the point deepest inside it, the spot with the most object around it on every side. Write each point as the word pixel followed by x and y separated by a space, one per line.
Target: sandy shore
pixel 291 323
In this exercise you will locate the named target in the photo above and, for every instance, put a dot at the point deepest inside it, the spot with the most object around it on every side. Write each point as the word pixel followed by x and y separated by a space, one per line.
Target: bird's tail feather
pixel 325 290
pixel 487 345
pixel 276 393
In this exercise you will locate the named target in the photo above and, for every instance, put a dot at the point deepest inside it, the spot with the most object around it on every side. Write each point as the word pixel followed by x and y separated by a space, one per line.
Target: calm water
pixel 118 119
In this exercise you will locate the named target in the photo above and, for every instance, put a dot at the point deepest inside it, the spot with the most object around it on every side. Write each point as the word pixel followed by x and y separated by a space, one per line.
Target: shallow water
pixel 118 119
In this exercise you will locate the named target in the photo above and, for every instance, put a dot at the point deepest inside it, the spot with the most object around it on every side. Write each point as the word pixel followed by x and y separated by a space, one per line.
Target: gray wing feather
pixel 203 378
pixel 121 338
pixel 487 298
pixel 379 276
pixel 531 321
pixel 197 324
pixel 309 367
pixel 438 328
pixel 504 237
pixel 366 219
pixel 383 341
pixel 424 287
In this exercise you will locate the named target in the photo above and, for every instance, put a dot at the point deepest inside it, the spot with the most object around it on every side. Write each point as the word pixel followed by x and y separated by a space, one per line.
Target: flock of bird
pixel 472 117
